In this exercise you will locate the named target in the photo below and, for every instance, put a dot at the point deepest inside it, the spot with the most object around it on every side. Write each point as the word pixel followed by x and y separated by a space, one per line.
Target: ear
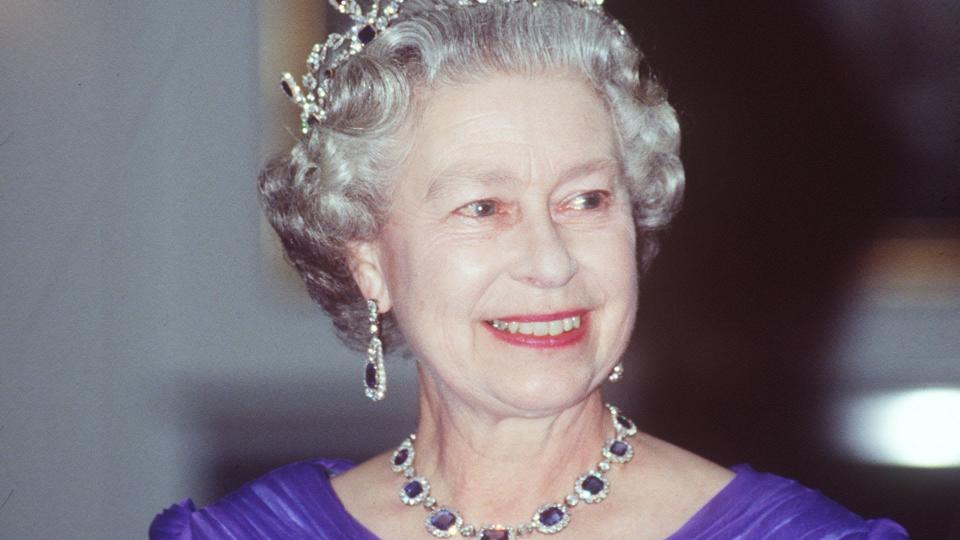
pixel 367 269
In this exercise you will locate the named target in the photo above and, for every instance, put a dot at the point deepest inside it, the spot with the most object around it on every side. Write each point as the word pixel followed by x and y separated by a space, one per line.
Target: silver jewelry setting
pixel 374 373
pixel 617 374
pixel 588 496
pixel 403 456
pixel 624 426
pixel 546 526
pixel 444 521
pixel 609 454
pixel 432 522
pixel 489 532
pixel 324 59
pixel 418 498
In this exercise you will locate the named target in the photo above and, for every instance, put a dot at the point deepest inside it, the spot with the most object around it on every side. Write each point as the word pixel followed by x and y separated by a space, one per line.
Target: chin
pixel 537 394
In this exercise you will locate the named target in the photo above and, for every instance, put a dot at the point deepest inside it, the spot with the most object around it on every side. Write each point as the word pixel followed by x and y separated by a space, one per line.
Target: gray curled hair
pixel 331 189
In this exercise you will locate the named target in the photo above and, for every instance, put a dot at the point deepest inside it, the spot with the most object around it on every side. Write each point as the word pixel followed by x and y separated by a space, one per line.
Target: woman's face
pixel 508 256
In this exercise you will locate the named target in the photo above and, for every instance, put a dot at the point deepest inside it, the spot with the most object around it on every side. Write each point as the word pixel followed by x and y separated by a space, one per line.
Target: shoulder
pixel 369 490
pixel 669 483
pixel 756 505
pixel 293 501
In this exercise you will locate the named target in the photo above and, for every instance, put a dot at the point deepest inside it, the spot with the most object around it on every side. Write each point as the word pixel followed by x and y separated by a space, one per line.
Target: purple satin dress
pixel 297 502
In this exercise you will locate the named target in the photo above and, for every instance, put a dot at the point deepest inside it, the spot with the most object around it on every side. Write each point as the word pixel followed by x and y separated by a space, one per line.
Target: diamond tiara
pixel 324 59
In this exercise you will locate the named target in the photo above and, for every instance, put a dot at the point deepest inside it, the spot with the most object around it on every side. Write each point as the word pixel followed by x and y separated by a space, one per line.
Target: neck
pixel 496 467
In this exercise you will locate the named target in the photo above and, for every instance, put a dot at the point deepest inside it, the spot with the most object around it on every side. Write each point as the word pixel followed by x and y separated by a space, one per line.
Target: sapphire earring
pixel 374 374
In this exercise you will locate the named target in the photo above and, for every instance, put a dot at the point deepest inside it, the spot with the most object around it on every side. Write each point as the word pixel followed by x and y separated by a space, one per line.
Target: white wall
pixel 147 350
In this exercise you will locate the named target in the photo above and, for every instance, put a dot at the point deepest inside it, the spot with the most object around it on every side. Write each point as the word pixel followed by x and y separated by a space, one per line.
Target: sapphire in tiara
pixel 366 34
pixel 367 24
pixel 286 89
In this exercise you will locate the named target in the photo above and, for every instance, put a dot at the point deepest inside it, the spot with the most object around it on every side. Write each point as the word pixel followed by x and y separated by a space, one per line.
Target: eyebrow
pixel 593 166
pixel 459 174
pixel 473 173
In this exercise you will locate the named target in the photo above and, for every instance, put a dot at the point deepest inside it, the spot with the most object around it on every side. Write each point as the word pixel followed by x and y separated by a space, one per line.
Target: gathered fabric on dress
pixel 765 506
pixel 297 502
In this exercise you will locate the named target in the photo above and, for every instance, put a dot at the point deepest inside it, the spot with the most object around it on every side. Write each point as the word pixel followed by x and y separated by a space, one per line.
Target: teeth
pixel 556 328
pixel 543 328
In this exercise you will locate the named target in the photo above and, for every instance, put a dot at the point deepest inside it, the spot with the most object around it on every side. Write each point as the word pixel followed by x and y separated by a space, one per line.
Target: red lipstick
pixel 565 339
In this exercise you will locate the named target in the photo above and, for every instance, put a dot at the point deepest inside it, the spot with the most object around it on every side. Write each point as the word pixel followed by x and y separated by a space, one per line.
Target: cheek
pixel 405 281
pixel 610 255
pixel 612 268
pixel 397 260
pixel 431 276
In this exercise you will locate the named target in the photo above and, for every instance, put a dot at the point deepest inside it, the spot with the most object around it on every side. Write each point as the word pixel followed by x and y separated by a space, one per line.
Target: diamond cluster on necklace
pixel 590 487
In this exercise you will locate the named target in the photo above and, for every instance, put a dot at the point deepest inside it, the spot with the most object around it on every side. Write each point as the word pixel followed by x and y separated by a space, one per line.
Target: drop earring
pixel 374 374
pixel 617 374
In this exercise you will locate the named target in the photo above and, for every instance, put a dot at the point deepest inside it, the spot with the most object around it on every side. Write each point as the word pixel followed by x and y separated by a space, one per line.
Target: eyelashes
pixel 483 208
pixel 591 200
pixel 581 202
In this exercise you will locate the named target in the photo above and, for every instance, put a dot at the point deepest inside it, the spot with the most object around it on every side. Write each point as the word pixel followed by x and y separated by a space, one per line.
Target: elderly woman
pixel 480 184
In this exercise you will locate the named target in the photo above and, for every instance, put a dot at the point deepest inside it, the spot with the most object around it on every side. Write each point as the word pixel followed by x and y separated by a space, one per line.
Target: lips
pixel 553 327
pixel 541 331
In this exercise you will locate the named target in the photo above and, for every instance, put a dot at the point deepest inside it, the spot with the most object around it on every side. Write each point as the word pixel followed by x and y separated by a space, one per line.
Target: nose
pixel 544 260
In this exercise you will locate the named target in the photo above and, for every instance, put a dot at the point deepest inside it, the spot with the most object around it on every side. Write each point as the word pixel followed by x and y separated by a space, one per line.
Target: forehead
pixel 512 125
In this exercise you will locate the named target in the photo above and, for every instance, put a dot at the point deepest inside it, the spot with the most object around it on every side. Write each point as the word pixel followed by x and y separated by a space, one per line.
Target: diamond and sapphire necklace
pixel 590 487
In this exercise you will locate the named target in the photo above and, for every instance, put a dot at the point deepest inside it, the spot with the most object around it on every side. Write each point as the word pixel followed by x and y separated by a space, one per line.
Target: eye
pixel 480 209
pixel 590 200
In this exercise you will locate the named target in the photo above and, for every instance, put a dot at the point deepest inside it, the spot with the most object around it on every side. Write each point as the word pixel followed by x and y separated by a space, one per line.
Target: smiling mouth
pixel 553 328
pixel 541 331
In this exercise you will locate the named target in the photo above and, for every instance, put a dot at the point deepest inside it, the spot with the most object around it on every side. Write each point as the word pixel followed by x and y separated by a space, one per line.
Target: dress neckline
pixel 335 468
pixel 344 466
pixel 702 517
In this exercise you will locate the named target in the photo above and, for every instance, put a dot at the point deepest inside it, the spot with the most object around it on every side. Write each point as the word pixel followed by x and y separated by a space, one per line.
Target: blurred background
pixel 804 315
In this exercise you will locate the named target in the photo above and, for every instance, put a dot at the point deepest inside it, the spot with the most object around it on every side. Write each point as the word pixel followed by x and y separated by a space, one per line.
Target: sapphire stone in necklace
pixel 403 456
pixel 591 487
pixel 415 491
pixel 444 522
pixel 617 451
pixel 495 534
pixel 551 518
